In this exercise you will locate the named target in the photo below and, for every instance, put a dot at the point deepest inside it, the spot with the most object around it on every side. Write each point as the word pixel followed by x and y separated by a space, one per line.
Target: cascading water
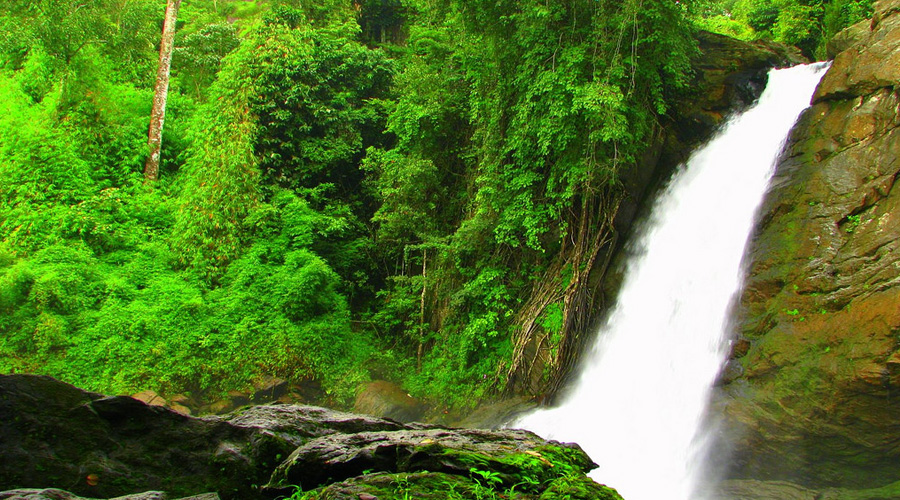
pixel 638 406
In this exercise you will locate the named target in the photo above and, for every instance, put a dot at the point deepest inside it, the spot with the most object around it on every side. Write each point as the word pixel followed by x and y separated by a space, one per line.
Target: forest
pixel 347 189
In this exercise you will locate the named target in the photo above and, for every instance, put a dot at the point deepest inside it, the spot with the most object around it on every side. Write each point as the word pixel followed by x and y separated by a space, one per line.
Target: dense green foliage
pixel 348 189
pixel 808 24
pixel 115 285
pixel 507 115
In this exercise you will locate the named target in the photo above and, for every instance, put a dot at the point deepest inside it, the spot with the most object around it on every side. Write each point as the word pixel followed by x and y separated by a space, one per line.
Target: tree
pixel 158 114
pixel 199 55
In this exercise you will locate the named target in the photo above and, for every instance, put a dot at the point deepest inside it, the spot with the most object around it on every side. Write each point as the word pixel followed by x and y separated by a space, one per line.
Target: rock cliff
pixel 818 400
pixel 60 441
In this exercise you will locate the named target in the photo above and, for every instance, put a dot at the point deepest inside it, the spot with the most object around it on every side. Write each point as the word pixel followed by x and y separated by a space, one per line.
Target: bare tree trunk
pixel 158 114
pixel 421 348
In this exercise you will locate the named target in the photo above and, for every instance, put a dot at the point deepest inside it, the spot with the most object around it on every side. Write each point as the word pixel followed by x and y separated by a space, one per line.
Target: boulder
pixel 816 403
pixel 268 389
pixel 54 494
pixel 388 400
pixel 450 451
pixel 151 398
pixel 57 436
pixel 435 462
pixel 439 486
pixel 238 398
pixel 182 404
pixel 870 64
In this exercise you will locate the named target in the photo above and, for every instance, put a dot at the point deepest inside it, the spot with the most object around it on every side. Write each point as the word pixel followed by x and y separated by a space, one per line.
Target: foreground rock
pixel 385 399
pixel 57 436
pixel 817 403
pixel 451 451
pixel 750 489
pixel 54 494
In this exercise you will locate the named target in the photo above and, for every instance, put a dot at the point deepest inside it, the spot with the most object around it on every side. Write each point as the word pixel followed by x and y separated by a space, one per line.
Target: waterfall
pixel 640 401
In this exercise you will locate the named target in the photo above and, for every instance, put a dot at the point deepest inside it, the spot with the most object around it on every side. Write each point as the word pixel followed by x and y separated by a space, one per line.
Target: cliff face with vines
pixel 584 276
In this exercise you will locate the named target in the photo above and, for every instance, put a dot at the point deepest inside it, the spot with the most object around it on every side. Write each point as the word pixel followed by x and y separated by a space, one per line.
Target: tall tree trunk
pixel 158 114
pixel 421 348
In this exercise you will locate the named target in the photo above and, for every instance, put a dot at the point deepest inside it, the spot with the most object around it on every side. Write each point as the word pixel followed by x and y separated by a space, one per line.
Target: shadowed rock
pixel 57 435
pixel 93 446
pixel 450 451
pixel 385 399
pixel 53 494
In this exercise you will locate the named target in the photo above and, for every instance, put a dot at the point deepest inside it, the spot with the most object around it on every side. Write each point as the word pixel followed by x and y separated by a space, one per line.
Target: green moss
pixel 888 492
pixel 442 486
pixel 402 486
pixel 578 487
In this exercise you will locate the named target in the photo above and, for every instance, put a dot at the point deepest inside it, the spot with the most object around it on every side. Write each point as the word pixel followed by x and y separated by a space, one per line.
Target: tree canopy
pixel 347 189
pixel 807 24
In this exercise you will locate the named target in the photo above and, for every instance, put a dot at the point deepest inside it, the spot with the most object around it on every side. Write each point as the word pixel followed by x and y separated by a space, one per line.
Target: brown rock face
pixel 385 399
pixel 819 401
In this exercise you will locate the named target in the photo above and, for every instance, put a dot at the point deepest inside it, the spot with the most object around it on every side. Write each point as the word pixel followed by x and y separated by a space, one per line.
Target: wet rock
pixel 184 410
pixel 452 451
pixel 268 389
pixel 732 371
pixel 310 390
pixel 440 486
pixel 782 490
pixel 872 63
pixel 238 399
pixel 54 434
pixel 300 423
pixel 151 398
pixel 764 490
pixel 497 414
pixel 426 463
pixel 388 400
pixel 816 404
pixel 217 407
pixel 295 395
pixel 182 404
pixel 422 485
pixel 847 38
pixel 94 446
pixel 232 401
pixel 54 494
pixel 182 400
pixel 739 348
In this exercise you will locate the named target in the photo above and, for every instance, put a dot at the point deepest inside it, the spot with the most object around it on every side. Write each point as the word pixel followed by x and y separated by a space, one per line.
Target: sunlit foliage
pixel 348 188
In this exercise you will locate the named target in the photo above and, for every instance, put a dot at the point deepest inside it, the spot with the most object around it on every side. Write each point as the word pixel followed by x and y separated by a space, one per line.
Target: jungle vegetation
pixel 347 189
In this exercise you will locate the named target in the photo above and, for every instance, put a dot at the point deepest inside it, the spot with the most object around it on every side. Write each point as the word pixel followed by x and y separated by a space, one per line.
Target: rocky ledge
pixel 82 444
pixel 813 394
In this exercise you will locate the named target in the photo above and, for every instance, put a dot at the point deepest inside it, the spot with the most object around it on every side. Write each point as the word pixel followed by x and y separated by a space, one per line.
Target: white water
pixel 638 406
